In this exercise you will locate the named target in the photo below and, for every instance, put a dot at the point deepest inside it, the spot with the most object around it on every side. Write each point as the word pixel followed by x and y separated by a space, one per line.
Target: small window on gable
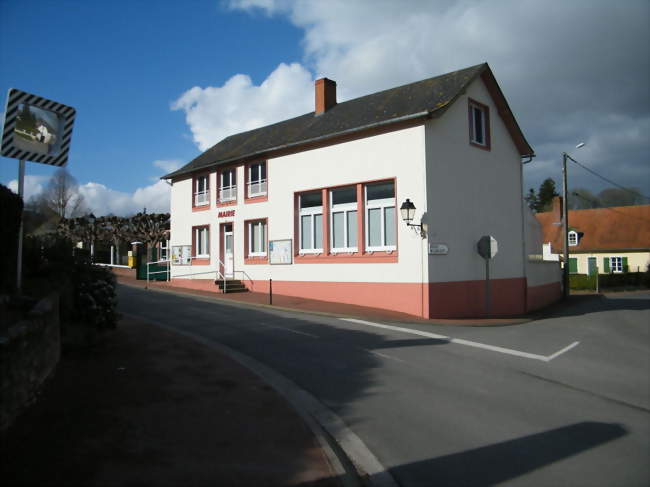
pixel 573 238
pixel 479 125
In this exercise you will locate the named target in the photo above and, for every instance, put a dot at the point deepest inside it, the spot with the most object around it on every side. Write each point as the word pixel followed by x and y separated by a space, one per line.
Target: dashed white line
pixel 469 343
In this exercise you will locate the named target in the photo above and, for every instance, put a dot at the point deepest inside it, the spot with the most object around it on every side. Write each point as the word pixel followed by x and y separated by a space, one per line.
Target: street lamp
pixel 565 221
pixel 408 213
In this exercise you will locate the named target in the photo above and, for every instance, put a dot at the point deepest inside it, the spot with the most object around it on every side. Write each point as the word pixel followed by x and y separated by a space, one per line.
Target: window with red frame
pixel 201 190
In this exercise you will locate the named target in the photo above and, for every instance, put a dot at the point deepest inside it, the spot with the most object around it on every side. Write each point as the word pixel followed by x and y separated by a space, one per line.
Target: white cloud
pixel 102 200
pixel 33 185
pixel 568 69
pixel 168 165
pixel 213 113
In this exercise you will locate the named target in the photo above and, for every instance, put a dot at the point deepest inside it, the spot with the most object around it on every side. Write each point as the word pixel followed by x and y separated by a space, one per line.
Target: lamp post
pixel 565 221
pixel 91 219
pixel 408 213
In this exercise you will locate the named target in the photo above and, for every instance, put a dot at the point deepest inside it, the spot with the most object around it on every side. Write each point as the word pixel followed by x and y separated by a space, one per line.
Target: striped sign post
pixel 35 129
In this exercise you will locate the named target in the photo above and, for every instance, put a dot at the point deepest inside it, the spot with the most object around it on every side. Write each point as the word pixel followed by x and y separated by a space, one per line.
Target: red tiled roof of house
pixel 615 228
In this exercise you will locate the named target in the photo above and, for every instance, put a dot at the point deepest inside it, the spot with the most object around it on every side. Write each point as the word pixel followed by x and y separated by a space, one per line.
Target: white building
pixel 326 188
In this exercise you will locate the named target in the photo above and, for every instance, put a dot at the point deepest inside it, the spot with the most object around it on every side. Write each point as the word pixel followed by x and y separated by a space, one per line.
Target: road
pixel 558 401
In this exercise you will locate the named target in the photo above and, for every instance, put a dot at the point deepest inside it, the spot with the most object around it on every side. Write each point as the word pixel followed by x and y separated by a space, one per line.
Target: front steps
pixel 232 286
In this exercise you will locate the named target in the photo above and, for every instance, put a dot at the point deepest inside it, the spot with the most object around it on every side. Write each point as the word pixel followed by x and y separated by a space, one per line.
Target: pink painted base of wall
pixel 463 299
pixel 199 284
pixel 541 296
pixel 401 297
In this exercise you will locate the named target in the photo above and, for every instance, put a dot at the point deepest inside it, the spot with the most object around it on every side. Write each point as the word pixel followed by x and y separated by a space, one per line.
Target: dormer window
pixel 573 238
pixel 479 125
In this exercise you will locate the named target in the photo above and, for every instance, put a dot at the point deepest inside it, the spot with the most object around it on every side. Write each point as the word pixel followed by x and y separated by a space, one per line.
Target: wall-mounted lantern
pixel 408 213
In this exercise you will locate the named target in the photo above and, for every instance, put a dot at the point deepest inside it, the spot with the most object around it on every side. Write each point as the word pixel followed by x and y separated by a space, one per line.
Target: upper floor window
pixel 257 238
pixel 573 238
pixel 479 124
pixel 227 185
pixel 311 222
pixel 201 242
pixel 380 216
pixel 343 219
pixel 201 190
pixel 257 179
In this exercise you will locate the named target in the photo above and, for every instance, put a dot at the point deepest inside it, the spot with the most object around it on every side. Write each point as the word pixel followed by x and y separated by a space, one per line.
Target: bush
pixel 11 207
pixel 582 282
pixel 624 280
pixel 87 293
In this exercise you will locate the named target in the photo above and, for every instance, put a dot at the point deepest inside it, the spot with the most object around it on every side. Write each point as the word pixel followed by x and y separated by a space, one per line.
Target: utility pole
pixel 565 228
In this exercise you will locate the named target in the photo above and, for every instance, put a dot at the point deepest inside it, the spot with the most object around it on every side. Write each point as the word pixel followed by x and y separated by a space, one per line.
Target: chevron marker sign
pixel 36 129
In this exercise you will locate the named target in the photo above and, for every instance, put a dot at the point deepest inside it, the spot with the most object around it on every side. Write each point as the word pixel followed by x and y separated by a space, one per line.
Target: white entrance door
pixel 228 254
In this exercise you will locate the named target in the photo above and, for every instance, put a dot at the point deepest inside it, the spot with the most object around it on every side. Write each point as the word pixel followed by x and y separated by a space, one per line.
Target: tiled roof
pixel 615 228
pixel 428 98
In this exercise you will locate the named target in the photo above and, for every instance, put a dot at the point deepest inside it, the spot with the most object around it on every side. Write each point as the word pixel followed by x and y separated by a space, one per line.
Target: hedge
pixel 11 208
pixel 624 280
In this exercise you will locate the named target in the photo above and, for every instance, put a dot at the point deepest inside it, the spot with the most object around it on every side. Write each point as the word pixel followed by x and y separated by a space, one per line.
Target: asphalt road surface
pixel 559 401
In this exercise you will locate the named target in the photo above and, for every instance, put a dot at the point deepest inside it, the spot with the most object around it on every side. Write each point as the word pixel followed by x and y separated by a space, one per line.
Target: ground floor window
pixel 257 238
pixel 343 222
pixel 311 222
pixel 380 216
pixel 616 264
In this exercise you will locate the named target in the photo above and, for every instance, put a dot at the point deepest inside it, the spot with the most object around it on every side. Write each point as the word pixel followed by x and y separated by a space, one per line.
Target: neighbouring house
pixel 603 240
pixel 313 203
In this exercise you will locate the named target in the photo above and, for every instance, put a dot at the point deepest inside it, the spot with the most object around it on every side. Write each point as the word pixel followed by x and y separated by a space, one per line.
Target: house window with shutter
pixel 616 264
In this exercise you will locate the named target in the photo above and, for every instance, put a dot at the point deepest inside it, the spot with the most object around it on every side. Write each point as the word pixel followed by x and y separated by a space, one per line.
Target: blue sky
pixel 155 83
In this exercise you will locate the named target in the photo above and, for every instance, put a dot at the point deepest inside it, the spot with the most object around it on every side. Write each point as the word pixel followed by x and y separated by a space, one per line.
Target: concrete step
pixel 232 286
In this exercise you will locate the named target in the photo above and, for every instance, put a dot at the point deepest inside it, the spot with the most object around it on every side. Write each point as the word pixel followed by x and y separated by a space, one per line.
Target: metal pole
pixel 487 287
pixel 19 256
pixel 565 227
pixel 270 291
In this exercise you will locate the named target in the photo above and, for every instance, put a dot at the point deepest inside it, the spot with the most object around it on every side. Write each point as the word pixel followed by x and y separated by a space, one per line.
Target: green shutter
pixel 625 268
pixel 606 264
pixel 573 265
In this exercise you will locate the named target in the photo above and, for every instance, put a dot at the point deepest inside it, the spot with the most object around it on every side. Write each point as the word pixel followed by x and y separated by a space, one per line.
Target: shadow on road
pixel 492 464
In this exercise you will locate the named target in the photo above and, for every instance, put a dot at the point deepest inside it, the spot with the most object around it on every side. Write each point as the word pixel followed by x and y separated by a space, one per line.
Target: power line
pixel 636 193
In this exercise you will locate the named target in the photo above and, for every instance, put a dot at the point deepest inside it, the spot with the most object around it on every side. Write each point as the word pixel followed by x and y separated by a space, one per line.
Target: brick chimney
pixel 325 95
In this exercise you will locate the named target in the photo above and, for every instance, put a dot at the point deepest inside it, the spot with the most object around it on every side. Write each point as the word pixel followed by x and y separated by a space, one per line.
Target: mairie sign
pixel 36 129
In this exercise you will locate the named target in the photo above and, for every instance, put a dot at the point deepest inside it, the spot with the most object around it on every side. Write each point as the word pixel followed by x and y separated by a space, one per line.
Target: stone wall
pixel 29 353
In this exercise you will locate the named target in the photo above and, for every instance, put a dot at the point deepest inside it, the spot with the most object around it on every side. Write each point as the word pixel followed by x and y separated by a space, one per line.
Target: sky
pixel 155 83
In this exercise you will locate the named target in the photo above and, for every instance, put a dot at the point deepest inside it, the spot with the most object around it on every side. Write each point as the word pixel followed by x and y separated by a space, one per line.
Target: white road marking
pixel 469 343
pixel 289 329
pixel 383 355
pixel 565 349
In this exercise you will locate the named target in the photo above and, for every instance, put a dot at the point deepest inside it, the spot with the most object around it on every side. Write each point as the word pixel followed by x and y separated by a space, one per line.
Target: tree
pixel 620 197
pixel 545 195
pixel 531 199
pixel 582 199
pixel 62 196
pixel 150 228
